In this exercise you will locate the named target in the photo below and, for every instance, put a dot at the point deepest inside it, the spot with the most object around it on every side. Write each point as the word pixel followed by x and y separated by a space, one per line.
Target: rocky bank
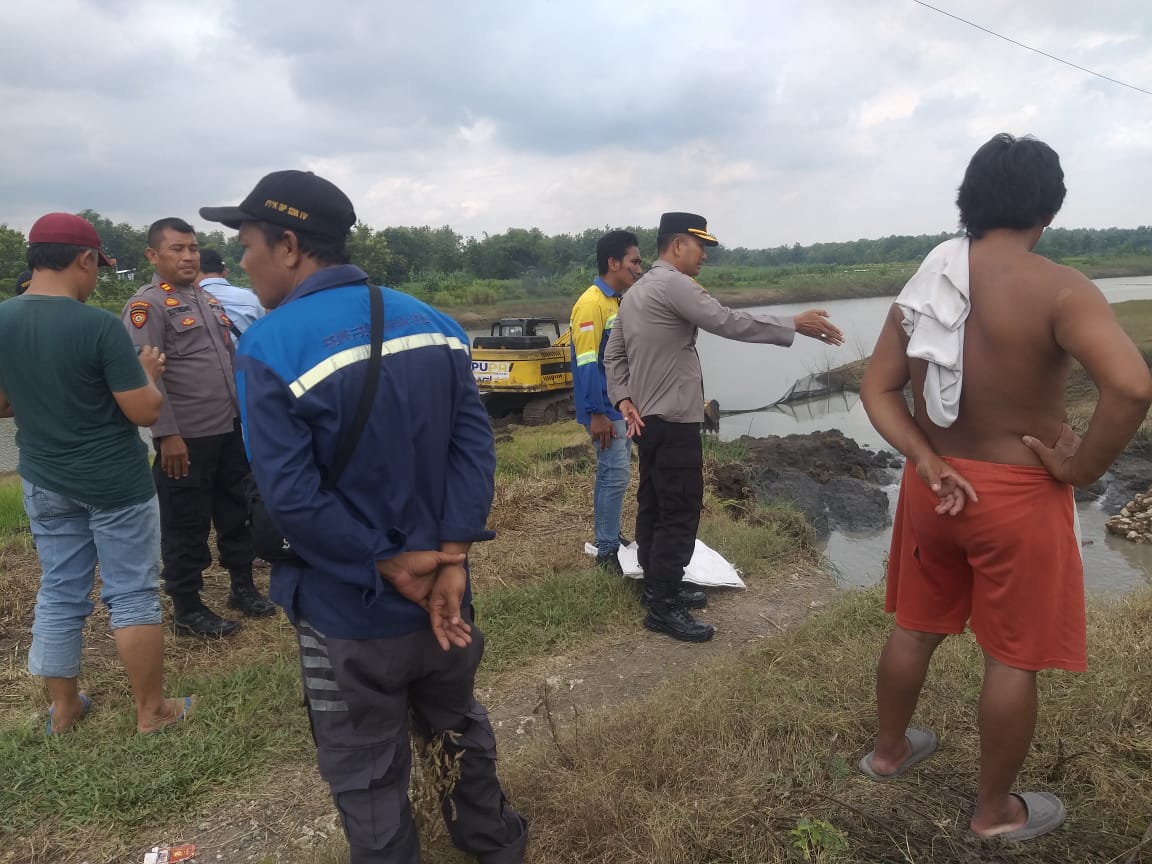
pixel 839 485
pixel 835 482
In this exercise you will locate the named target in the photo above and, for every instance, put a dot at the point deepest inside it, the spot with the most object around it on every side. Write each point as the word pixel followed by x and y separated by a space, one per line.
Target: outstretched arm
pixel 697 306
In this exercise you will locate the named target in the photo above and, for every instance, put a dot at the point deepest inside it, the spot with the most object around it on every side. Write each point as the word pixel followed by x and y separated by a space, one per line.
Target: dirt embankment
pixel 834 481
pixel 839 485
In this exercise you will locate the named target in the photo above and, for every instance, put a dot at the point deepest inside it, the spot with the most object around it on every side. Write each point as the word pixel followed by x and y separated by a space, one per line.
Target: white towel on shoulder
pixel 935 304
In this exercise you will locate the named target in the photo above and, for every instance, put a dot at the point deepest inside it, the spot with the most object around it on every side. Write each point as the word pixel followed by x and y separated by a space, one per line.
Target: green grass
pixel 753 751
pixel 13 519
pixel 542 618
pixel 1104 267
pixel 763 536
pixel 724 452
pixel 540 452
pixel 106 776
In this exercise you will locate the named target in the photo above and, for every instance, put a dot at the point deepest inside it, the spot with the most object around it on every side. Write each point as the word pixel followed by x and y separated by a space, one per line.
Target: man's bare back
pixel 1029 319
pixel 1014 369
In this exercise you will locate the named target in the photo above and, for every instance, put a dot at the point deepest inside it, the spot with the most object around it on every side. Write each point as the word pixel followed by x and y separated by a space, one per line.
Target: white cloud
pixel 782 122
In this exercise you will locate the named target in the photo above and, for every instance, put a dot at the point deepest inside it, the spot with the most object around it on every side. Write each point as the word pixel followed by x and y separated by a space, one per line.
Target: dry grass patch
pixel 20 576
pixel 847 376
pixel 257 641
pixel 542 509
pixel 752 759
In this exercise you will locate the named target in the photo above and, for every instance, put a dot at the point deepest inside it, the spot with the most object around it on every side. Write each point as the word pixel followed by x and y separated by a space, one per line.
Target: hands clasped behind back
pixel 436 582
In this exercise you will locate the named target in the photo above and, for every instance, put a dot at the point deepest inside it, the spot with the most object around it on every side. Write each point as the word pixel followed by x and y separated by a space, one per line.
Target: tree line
pixel 436 263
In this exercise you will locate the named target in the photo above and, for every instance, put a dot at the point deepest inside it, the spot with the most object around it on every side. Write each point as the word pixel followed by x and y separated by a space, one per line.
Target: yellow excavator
pixel 524 367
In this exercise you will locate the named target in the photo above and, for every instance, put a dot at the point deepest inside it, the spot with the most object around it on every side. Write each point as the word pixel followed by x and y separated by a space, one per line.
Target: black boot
pixel 244 597
pixel 687 597
pixel 676 621
pixel 193 618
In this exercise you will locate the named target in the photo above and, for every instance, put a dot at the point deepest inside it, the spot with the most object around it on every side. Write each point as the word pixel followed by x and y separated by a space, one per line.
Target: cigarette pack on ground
pixel 169 854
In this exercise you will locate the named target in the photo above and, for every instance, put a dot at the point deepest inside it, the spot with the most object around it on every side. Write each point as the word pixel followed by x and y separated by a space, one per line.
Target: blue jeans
pixel 70 538
pixel 612 469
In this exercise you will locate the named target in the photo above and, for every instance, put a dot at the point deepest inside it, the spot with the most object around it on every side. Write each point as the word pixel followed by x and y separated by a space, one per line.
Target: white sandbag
pixel 708 568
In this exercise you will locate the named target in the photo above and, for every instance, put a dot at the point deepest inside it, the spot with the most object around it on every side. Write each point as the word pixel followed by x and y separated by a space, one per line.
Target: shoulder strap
pixel 368 395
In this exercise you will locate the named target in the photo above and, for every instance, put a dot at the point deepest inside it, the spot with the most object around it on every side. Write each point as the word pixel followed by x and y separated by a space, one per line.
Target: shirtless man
pixel 984 526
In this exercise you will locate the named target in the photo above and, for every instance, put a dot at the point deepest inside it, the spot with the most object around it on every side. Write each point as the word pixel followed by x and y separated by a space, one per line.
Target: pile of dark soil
pixel 834 481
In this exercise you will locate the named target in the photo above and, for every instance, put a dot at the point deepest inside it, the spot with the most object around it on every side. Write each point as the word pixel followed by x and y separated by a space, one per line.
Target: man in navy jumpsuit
pixel 381 601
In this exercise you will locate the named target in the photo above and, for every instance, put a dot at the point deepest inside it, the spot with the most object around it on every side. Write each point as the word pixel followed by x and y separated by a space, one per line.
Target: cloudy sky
pixel 782 121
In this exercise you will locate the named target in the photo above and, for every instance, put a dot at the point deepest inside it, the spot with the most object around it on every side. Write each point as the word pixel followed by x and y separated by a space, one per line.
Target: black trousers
pixel 361 694
pixel 213 493
pixel 670 498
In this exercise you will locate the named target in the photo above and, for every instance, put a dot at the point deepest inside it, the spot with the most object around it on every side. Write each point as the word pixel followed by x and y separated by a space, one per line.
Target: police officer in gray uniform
pixel 655 382
pixel 200 469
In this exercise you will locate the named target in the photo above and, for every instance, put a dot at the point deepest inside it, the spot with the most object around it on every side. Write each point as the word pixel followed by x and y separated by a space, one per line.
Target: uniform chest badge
pixel 171 301
pixel 166 288
pixel 188 322
pixel 225 320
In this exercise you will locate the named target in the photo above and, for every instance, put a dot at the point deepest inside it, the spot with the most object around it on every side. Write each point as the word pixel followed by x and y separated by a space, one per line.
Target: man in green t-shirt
pixel 70 376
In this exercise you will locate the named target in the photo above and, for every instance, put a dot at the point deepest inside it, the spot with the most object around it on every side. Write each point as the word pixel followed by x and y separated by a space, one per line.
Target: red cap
pixel 66 228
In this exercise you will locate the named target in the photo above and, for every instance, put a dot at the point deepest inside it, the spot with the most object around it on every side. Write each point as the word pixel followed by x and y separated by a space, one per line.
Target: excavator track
pixel 550 408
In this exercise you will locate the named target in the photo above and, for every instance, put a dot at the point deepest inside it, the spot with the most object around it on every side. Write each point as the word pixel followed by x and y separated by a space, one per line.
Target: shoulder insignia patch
pixel 138 316
pixel 166 288
pixel 210 298
pixel 171 301
pixel 188 322
pixel 139 304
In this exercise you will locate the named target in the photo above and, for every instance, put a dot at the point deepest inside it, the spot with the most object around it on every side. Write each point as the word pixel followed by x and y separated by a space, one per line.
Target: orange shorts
pixel 1010 563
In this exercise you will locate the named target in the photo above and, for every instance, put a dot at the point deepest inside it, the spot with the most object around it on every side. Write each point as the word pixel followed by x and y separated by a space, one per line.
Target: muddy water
pixel 1111 565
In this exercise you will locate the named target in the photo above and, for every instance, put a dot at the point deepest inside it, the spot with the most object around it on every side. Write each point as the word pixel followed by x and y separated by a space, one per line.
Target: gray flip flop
pixel 1046 813
pixel 924 743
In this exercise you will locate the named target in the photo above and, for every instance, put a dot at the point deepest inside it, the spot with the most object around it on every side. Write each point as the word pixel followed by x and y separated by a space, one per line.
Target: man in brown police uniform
pixel 656 383
pixel 200 469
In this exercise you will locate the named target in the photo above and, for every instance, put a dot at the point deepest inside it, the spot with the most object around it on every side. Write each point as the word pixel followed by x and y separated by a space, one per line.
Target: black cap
pixel 22 282
pixel 210 261
pixel 677 223
pixel 298 200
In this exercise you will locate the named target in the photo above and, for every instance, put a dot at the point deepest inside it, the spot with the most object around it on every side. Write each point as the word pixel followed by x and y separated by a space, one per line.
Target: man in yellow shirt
pixel 618 262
